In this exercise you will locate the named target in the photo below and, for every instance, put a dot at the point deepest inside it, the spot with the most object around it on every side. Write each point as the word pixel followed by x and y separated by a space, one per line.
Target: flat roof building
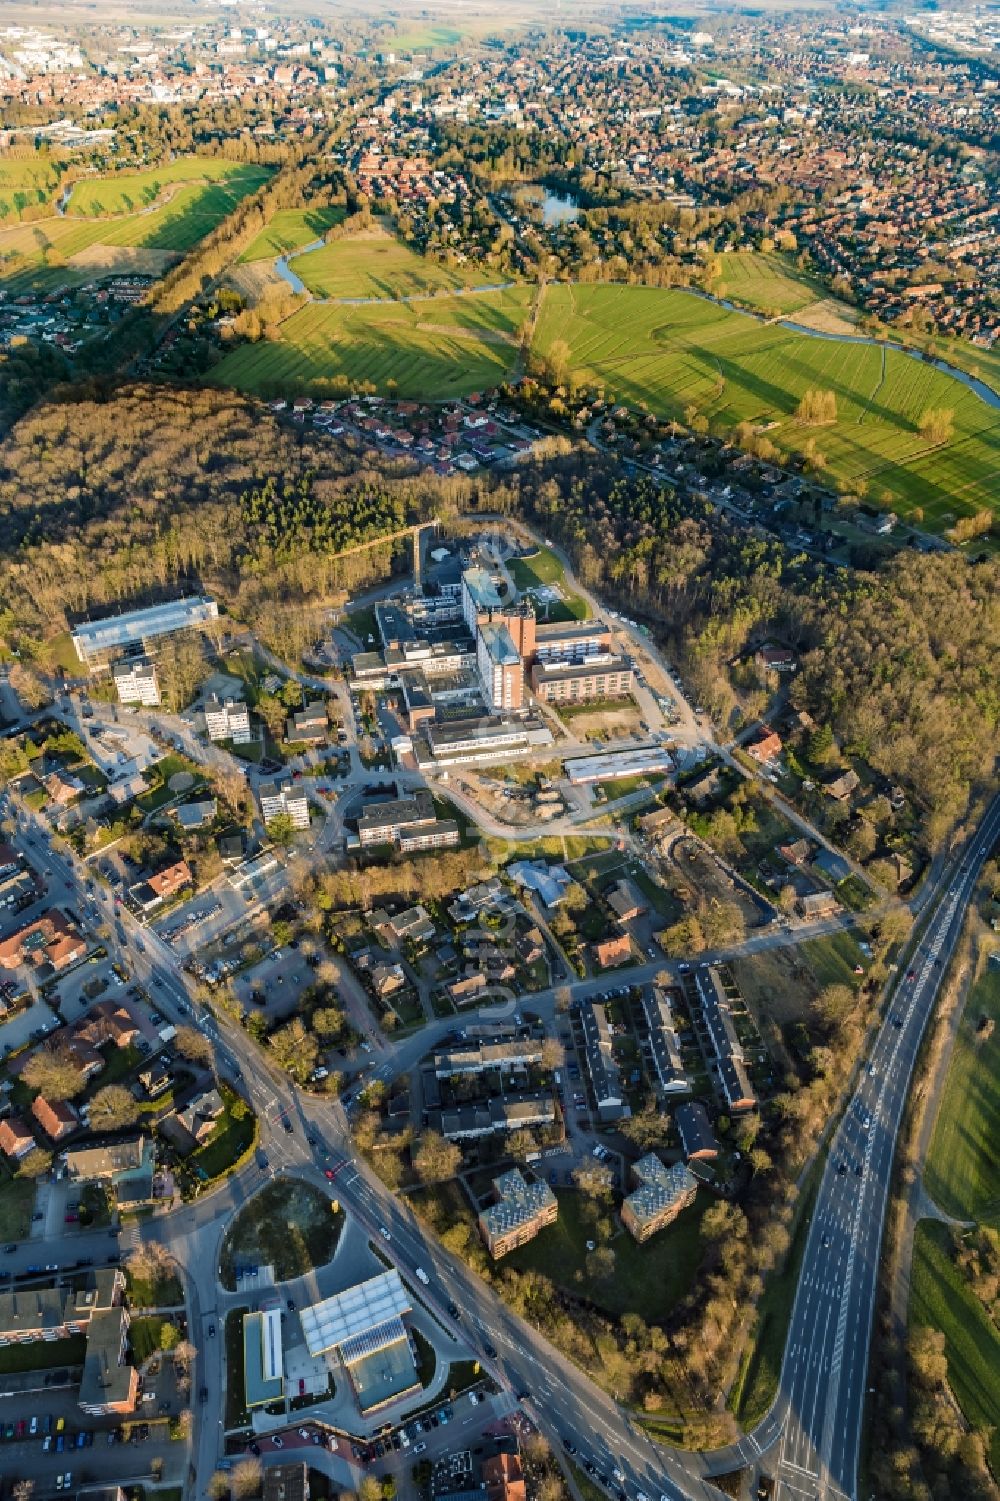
pixel 136 682
pixel 646 761
pixel 263 1368
pixel 598 676
pixel 97 640
pixel 284 796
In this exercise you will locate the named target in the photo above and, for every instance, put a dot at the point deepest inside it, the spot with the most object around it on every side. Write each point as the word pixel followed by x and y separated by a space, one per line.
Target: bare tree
pixel 247 1478
pixel 112 1108
pixel 194 1046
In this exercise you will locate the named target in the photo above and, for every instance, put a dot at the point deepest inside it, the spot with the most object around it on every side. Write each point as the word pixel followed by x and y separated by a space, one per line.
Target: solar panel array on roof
pixel 370 1341
pixel 357 1310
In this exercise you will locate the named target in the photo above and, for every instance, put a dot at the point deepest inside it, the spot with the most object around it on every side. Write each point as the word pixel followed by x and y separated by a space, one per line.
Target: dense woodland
pixel 109 500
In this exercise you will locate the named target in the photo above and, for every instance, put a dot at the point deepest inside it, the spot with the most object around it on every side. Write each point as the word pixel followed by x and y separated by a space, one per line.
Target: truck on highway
pixel 422 1276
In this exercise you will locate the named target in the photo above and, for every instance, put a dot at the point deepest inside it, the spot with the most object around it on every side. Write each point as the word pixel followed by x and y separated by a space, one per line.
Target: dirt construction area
pixel 605 724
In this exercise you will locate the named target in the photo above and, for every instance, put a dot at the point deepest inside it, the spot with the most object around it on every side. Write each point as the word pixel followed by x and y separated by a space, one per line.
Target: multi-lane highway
pixel 812 1434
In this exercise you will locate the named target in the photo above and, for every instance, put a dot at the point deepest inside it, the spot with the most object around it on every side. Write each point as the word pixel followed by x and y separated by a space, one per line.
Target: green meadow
pixel 434 348
pixel 291 229
pixel 379 266
pixel 673 353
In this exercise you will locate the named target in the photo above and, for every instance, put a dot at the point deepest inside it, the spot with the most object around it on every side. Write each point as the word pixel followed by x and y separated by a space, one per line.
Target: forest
pixel 150 489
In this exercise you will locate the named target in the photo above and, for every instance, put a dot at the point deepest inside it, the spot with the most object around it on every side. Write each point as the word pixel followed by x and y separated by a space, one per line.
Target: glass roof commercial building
pixel 364 1325
pixel 97 639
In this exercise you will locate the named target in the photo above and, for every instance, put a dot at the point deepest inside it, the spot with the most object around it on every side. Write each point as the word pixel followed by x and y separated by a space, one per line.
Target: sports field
pixel 291 229
pixel 767 281
pixel 673 351
pixel 437 348
pixel 379 266
pixel 188 213
pixel 962 1174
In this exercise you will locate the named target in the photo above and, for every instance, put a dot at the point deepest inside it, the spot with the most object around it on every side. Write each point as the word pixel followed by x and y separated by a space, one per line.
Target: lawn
pixel 291 229
pixel 159 1292
pixel 767 281
pixel 449 348
pixel 27 182
pixel 962 1174
pixel 144 1337
pixel 17 1203
pixel 940 1300
pixel 43 1355
pixel 541 570
pixel 289 1226
pixel 782 983
pixel 673 351
pixel 648 1280
pixel 377 265
pixel 232 1137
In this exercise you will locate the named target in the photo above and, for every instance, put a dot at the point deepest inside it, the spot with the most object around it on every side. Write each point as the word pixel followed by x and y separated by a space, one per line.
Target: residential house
pixel 199 1116
pixel 412 926
pixel 467 988
pixel 726 1050
pixel 57 1118
pixel 796 852
pixel 817 904
pixel 626 901
pixel 63 788
pixel 698 1140
pixel 16 1140
pixel 48 940
pixel 599 1058
pixel 842 786
pixel 308 726
pixel 611 952
pixel 197 814
pixel 767 747
pixel 108 1022
pixel 161 886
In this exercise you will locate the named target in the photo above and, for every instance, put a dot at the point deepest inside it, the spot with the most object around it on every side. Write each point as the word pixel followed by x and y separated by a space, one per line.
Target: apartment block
pixel 727 1050
pixel 227 719
pixel 501 670
pixel 410 822
pixel 284 797
pixel 136 682
pixel 604 676
pixel 661 1194
pixel 520 1211
pixel 599 1057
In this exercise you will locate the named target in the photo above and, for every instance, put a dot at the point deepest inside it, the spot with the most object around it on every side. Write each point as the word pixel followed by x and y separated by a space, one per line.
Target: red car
pixel 329 1173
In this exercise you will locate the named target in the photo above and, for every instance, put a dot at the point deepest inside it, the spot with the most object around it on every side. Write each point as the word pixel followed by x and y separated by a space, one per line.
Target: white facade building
pixel 284 797
pixel 228 720
pixel 135 680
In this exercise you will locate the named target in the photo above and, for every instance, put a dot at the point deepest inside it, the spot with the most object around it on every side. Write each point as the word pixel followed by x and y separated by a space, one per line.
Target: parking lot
pixel 274 985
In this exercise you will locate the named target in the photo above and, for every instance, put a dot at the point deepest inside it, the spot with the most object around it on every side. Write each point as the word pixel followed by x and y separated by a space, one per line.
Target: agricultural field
pixel 291 229
pixel 438 349
pixel 378 266
pixel 31 253
pixel 26 183
pixel 673 351
pixel 769 282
